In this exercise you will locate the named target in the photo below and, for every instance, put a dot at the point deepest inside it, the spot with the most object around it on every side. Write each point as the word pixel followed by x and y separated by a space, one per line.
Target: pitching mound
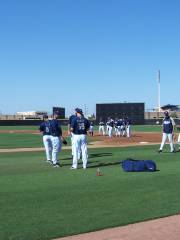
pixel 138 138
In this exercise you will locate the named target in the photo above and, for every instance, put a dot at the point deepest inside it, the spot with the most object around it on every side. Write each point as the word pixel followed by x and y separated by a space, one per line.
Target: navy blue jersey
pixel 115 124
pixel 119 122
pixel 167 125
pixel 107 124
pixel 56 130
pixel 45 128
pixel 111 123
pixel 80 125
pixel 71 118
pixel 128 122
pixel 124 122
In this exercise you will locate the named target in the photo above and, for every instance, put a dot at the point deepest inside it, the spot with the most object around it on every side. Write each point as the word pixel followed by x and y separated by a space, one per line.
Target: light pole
pixel 159 91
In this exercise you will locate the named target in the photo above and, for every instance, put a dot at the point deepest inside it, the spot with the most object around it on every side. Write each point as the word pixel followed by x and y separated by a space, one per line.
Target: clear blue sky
pixel 72 53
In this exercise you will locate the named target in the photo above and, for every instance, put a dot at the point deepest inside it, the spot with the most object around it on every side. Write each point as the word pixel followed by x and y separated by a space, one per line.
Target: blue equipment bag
pixel 150 165
pixel 131 165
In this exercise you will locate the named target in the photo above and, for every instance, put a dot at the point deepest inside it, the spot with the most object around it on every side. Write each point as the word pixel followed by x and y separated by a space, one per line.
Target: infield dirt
pixel 138 138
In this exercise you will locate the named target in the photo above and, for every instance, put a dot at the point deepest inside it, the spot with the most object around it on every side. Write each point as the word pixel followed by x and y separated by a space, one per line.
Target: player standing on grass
pixel 79 127
pixel 56 139
pixel 70 133
pixel 45 129
pixel 167 131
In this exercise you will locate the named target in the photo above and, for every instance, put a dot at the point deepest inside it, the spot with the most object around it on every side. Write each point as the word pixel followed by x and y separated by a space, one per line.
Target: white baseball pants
pixel 107 130
pixel 128 131
pixel 56 148
pixel 170 137
pixel 80 144
pixel 119 131
pixel 73 147
pixel 110 132
pixel 48 146
pixel 101 129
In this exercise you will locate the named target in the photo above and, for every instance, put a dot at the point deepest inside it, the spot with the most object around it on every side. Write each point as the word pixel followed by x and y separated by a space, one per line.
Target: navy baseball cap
pixel 78 110
pixel 166 113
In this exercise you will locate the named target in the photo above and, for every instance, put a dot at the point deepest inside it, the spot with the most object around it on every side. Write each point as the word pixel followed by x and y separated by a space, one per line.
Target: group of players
pixel 52 138
pixel 78 127
pixel 118 127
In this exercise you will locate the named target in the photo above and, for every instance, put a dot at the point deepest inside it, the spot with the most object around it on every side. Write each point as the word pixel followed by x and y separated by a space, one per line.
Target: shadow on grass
pixel 101 164
pixel 79 163
pixel 95 164
pixel 94 155
pixel 67 158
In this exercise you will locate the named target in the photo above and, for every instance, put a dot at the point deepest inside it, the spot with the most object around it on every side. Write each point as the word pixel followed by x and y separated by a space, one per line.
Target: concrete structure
pixel 30 115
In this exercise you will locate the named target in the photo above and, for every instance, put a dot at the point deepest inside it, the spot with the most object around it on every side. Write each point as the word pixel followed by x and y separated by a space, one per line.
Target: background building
pixel 31 114
pixel 174 111
pixel 135 111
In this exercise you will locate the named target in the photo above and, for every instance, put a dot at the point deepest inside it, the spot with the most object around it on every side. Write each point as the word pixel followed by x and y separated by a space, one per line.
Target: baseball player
pixel 167 131
pixel 123 127
pixel 111 125
pixel 107 126
pixel 71 133
pixel 45 129
pixel 101 127
pixel 79 127
pixel 91 129
pixel 56 139
pixel 128 127
pixel 119 124
pixel 116 127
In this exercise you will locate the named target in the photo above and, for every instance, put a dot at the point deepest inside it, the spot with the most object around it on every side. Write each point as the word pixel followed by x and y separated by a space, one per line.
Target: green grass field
pixel 33 128
pixel 144 128
pixel 20 140
pixel 41 202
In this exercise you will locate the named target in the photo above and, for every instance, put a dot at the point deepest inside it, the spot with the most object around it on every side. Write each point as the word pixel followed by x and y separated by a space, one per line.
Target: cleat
pixel 48 161
pixel 159 151
pixel 56 165
pixel 73 168
pixel 173 151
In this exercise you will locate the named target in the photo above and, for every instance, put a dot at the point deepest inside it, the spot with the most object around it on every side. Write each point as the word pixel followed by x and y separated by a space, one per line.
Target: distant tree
pixel 174 115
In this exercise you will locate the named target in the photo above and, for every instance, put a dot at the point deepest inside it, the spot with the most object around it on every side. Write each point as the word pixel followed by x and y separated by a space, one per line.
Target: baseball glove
pixel 64 142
